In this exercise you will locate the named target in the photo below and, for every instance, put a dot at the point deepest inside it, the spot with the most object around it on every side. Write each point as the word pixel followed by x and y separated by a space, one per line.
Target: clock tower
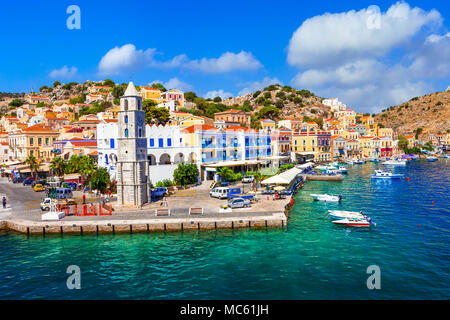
pixel 132 163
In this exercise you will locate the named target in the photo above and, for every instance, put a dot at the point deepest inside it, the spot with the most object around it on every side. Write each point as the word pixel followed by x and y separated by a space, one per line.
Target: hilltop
pixel 430 112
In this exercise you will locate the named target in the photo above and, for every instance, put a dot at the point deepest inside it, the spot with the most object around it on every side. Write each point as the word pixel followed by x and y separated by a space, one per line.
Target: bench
pixel 162 212
pixel 195 211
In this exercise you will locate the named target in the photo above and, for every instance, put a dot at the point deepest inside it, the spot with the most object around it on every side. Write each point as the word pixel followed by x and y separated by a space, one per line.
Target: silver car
pixel 239 203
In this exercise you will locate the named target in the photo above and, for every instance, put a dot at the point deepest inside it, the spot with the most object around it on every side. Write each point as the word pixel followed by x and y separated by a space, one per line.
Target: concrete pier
pixel 157 224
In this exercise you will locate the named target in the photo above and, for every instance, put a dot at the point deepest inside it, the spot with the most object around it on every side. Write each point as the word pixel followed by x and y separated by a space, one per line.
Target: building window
pixel 126 133
pixel 125 105
pixel 169 142
pixel 126 119
pixel 161 142
pixel 31 141
pixel 152 142
pixel 39 141
pixel 47 141
pixel 111 143
pixel 140 132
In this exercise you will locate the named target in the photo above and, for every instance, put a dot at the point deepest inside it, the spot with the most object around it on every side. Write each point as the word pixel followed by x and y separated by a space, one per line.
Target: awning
pixel 305 165
pixel 285 177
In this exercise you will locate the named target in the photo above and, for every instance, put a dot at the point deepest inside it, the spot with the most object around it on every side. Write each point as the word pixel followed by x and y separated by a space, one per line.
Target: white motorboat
pixel 394 163
pixel 349 162
pixel 379 174
pixel 334 164
pixel 342 169
pixel 432 158
pixel 326 197
pixel 374 159
pixel 353 222
pixel 359 161
pixel 340 214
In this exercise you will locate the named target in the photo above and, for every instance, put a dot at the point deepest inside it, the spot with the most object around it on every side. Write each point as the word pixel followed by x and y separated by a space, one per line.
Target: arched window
pixel 126 133
pixel 106 159
pixel 140 132
pixel 126 119
pixel 125 105
pixel 139 104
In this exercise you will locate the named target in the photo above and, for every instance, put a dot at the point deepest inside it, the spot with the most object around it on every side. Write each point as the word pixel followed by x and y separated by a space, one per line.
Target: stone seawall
pixel 276 220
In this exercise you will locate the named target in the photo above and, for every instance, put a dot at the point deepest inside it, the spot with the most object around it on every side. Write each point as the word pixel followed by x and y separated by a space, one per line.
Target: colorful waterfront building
pixel 315 142
pixel 268 125
pixel 369 122
pixel 233 117
pixel 339 147
pixel 291 123
pixel 387 147
pixel 174 95
pixel 370 147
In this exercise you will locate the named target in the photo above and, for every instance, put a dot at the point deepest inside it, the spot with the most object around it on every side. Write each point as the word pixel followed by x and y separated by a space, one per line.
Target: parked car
pixel 219 192
pixel 238 203
pixel 248 179
pixel 63 193
pixel 159 192
pixel 18 180
pixel 47 202
pixel 38 187
pixel 70 184
pixel 28 181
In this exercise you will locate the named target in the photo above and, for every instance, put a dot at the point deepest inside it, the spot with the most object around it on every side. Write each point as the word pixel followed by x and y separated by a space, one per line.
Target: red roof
pixel 83 143
pixel 202 127
pixel 40 128
pixel 110 120
pixel 237 128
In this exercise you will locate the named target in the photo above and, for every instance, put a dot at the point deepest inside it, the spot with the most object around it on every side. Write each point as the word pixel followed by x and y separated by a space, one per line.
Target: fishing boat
pixel 340 214
pixel 353 222
pixel 326 197
pixel 379 174
pixel 394 162
pixel 432 158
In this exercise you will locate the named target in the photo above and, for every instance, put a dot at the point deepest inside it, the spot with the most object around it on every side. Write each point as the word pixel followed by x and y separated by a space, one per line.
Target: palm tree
pixel 225 173
pixel 58 165
pixel 33 163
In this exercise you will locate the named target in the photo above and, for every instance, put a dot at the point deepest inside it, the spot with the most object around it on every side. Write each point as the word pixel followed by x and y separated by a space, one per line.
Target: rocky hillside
pixel 430 112
pixel 290 102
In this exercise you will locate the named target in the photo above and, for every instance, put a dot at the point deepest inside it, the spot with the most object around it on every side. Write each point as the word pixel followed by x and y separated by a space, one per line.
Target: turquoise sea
pixel 310 259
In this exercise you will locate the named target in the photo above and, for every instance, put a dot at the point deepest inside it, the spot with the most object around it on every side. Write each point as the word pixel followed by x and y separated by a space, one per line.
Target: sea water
pixel 310 259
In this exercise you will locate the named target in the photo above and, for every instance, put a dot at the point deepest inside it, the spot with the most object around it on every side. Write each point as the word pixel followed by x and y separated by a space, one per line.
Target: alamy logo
pixel 74 280
pixel 374 281
pixel 373 17
pixel 74 20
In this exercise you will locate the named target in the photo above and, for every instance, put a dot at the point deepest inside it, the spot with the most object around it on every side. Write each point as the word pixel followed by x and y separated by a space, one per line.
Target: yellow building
pixel 351 135
pixel 35 140
pixel 411 140
pixel 370 147
pixel 267 125
pixel 151 93
pixel 385 132
pixel 184 119
pixel 369 122
pixel 316 142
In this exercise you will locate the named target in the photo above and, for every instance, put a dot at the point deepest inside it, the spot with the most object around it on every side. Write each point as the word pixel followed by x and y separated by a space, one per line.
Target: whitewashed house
pixel 166 148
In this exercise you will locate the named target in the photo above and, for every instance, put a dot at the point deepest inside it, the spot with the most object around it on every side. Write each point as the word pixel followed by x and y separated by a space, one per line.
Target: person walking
pixel 4 202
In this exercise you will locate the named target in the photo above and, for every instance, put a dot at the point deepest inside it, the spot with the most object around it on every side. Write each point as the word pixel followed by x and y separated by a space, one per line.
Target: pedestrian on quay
pixel 4 202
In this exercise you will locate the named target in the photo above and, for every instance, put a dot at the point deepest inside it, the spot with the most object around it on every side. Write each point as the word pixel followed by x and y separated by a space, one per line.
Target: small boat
pixel 379 174
pixel 349 162
pixel 374 159
pixel 353 222
pixel 334 164
pixel 394 163
pixel 340 214
pixel 326 197
pixel 432 158
pixel 359 161
pixel 342 169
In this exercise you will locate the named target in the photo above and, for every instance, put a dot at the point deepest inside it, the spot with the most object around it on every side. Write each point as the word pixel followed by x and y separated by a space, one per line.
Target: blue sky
pixel 233 47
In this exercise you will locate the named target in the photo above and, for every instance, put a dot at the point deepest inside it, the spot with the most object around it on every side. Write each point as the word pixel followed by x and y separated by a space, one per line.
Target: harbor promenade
pixel 21 217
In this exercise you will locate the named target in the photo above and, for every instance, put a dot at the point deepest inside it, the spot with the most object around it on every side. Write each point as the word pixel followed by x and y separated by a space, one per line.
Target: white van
pixel 63 193
pixel 219 192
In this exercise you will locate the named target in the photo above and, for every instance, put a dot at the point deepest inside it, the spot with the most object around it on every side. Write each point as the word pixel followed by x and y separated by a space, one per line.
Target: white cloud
pixel 64 73
pixel 124 59
pixel 218 93
pixel 258 85
pixel 128 58
pixel 174 83
pixel 333 39
pixel 342 57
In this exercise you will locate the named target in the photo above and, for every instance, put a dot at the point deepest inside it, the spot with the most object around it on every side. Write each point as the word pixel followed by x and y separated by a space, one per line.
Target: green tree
pixel 225 173
pixel 100 180
pixel 16 103
pixel 190 96
pixel 159 86
pixel 33 163
pixel 56 83
pixel 217 99
pixel 270 112
pixel 418 131
pixel 186 173
pixel 117 92
pixel 154 115
pixel 57 165
pixel 402 142
pixel 108 83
